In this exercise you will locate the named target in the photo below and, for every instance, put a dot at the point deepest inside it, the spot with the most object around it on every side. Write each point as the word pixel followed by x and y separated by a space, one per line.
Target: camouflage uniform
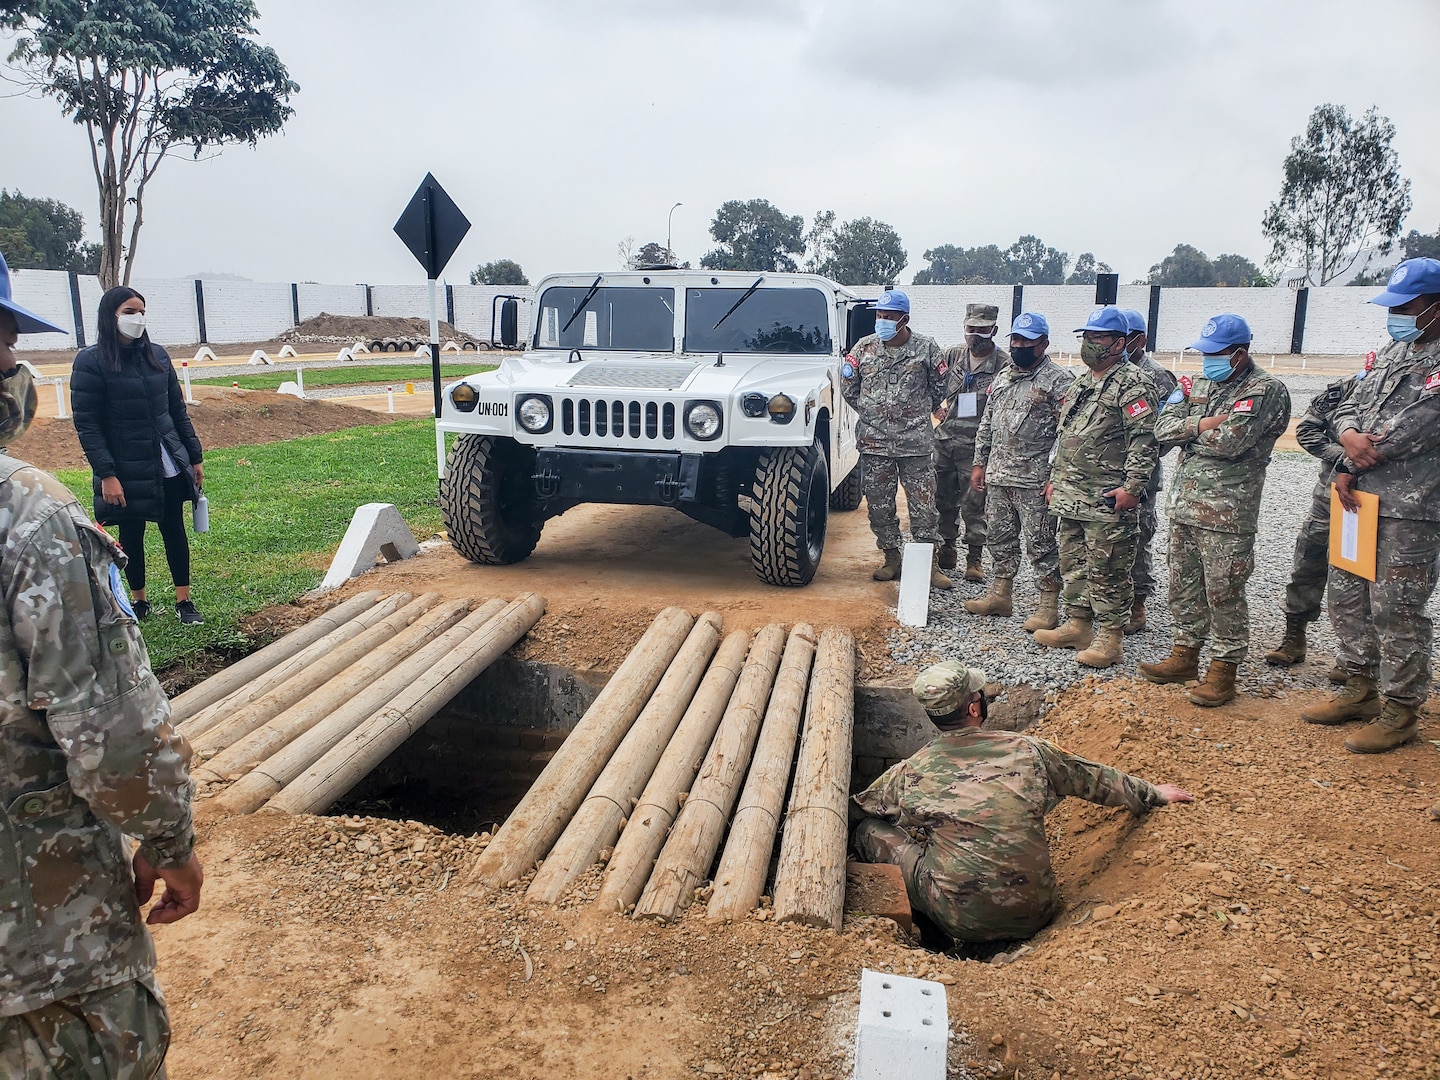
pixel 1315 433
pixel 1381 625
pixel 955 441
pixel 1106 441
pixel 1214 502
pixel 964 818
pixel 87 756
pixel 894 389
pixel 1013 445
pixel 1143 575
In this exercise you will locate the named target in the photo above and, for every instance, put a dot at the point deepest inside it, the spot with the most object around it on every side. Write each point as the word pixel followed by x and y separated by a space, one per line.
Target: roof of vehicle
pixel 741 279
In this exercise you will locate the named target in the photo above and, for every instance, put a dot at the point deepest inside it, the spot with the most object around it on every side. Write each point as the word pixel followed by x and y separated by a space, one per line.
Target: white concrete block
pixel 291 387
pixel 450 346
pixel 903 1030
pixel 913 608
pixel 287 351
pixel 376 529
pixel 359 347
pixel 205 353
pixel 260 356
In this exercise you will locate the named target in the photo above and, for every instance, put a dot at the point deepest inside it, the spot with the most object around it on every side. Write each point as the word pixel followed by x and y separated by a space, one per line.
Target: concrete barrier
pixel 377 529
pixel 903 1030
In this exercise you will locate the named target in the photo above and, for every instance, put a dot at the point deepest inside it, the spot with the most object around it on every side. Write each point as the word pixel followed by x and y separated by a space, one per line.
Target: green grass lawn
pixel 277 514
pixel 379 374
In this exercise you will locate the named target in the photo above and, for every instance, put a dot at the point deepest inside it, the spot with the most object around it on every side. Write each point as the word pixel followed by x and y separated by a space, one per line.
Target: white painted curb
pixel 913 608
pixel 904 1027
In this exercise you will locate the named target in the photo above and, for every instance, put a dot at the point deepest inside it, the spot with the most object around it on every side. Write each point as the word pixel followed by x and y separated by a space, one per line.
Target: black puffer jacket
pixel 122 417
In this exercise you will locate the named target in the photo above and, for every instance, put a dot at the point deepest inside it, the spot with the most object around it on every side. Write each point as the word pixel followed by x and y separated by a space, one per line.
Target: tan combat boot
pixel 1291 650
pixel 948 555
pixel 1137 617
pixel 1218 687
pixel 996 601
pixel 974 570
pixel 891 570
pixel 938 577
pixel 1107 650
pixel 1047 612
pixel 1356 700
pixel 1396 725
pixel 1077 633
pixel 1338 675
pixel 1182 665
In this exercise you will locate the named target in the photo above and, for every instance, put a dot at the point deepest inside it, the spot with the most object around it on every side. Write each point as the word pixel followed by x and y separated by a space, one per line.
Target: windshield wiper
pixel 745 296
pixel 594 288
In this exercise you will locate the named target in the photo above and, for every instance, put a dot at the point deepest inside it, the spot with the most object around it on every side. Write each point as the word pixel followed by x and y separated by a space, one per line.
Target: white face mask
pixel 131 325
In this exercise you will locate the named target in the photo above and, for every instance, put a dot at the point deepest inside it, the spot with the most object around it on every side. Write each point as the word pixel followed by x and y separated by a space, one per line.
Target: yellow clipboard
pixel 1352 536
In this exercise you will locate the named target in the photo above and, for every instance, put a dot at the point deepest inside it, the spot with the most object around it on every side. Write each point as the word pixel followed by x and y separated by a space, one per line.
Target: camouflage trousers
pixel 1009 511
pixel 1208 572
pixel 882 478
pixel 1381 625
pixel 1306 592
pixel 879 841
pixel 955 499
pixel 1096 560
pixel 1143 576
pixel 120 1033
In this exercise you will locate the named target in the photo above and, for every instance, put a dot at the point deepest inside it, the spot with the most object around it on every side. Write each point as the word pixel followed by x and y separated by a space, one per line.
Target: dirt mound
pixel 346 329
pixel 223 417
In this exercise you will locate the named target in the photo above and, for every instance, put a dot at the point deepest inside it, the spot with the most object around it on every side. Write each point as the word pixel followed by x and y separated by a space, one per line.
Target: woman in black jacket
pixel 131 419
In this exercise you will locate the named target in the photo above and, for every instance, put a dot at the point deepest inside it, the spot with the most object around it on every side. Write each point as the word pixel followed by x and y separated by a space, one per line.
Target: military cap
pixel 1134 320
pixel 1221 332
pixel 1105 320
pixel 1412 278
pixel 1030 325
pixel 27 321
pixel 942 688
pixel 893 300
pixel 981 315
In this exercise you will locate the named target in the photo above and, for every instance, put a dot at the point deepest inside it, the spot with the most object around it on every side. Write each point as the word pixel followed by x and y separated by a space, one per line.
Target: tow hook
pixel 547 483
pixel 669 488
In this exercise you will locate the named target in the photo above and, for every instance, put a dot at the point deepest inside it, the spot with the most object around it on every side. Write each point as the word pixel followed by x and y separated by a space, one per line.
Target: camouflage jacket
pixel 1165 382
pixel 1017 434
pixel 1316 430
pixel 87 754
pixel 976 802
pixel 960 379
pixel 1222 471
pixel 1400 401
pixel 894 389
pixel 1106 441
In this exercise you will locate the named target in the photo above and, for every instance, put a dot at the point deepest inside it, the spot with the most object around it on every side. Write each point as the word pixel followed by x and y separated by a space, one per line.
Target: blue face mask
pixel 1216 367
pixel 886 329
pixel 1403 327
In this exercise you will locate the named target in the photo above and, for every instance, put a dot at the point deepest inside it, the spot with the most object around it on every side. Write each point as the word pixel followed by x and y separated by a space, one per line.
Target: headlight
pixel 753 405
pixel 702 420
pixel 534 414
pixel 781 408
pixel 464 397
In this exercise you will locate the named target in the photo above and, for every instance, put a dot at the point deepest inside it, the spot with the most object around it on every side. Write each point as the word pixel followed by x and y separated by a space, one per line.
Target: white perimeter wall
pixel 1338 320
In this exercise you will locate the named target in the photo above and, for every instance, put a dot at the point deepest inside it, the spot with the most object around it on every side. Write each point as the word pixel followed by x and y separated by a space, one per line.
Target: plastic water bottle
pixel 201 514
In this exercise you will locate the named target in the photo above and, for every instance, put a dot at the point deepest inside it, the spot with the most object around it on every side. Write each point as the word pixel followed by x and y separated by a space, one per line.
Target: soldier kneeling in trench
pixel 964 818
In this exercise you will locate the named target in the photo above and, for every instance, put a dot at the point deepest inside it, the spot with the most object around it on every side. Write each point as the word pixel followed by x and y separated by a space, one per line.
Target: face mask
pixel 885 329
pixel 1094 355
pixel 979 341
pixel 132 325
pixel 17 404
pixel 1023 355
pixel 1216 367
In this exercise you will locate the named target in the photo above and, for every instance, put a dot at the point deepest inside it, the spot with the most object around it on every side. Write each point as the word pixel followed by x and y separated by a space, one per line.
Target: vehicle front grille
pixel 614 420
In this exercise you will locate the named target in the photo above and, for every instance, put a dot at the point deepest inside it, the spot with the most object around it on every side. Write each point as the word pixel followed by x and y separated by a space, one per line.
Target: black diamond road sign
pixel 432 226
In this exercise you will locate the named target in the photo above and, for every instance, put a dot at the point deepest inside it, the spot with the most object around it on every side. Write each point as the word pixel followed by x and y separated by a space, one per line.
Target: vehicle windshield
pixel 631 320
pixel 771 320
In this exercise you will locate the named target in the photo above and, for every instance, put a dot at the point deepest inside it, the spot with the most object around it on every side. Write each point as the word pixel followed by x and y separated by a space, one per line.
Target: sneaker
pixel 189 614
pixel 141 608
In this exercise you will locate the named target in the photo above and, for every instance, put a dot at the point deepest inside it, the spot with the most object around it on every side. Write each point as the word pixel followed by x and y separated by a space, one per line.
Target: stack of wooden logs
pixel 295 725
pixel 691 734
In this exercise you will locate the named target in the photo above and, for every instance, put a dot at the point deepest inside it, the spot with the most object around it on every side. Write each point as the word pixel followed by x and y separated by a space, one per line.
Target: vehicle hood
pixel 690 374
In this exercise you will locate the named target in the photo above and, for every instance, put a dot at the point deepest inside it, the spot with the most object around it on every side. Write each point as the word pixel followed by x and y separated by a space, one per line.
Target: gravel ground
pixel 1009 656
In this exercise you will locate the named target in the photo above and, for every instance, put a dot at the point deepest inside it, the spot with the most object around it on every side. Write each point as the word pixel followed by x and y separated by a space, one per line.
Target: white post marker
pixel 185 373
pixel 390 396
pixel 903 1030
pixel 300 379
pixel 913 608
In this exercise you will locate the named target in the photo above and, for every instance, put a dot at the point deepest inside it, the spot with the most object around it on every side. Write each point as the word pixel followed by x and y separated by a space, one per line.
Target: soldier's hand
pixel 182 889
pixel 1049 490
pixel 939 414
pixel 1360 448
pixel 1210 423
pixel 977 478
pixel 111 491
pixel 1345 488
pixel 1123 499
pixel 1172 794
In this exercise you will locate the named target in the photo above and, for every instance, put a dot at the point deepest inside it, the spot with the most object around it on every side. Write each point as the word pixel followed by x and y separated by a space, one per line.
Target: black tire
pixel 848 495
pixel 488 500
pixel 789 514
pixel 377 346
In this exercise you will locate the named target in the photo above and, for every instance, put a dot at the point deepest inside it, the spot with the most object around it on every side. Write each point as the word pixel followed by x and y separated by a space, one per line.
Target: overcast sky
pixel 562 126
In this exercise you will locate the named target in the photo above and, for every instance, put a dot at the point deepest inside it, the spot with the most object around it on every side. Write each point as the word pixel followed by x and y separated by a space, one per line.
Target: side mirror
pixel 859 323
pixel 510 323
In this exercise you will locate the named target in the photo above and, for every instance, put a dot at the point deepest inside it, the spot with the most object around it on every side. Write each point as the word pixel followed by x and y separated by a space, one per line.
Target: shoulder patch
pixel 847 367
pixel 1176 396
pixel 118 590
pixel 1138 407
pixel 1186 383
pixel 943 366
pixel 1432 382
pixel 1245 406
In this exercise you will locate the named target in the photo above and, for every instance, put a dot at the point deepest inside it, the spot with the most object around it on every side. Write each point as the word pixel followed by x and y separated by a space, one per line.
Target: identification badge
pixel 967 405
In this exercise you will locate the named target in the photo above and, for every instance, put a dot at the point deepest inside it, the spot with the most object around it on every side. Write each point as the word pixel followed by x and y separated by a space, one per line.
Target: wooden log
pixel 374 740
pixel 263 782
pixel 211 715
pixel 690 849
pixel 245 753
pixel 597 823
pixel 741 877
pixel 303 683
pixel 241 673
pixel 536 823
pixel 810 879
pixel 644 834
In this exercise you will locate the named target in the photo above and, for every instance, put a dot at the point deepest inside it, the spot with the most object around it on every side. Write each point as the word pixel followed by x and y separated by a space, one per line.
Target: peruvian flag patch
pixel 1433 381
pixel 943 366
pixel 1248 405
pixel 1137 408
